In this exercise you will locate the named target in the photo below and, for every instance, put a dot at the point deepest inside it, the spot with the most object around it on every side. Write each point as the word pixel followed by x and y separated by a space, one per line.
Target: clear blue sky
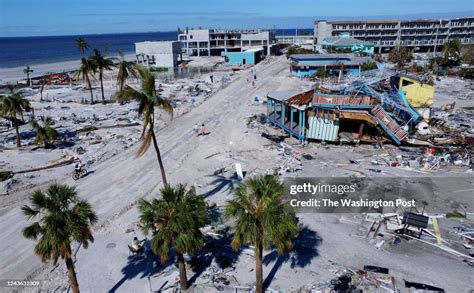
pixel 66 17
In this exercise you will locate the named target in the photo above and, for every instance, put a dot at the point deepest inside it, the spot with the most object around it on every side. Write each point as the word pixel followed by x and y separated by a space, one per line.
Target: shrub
pixel 400 55
pixel 5 175
pixel 467 73
pixel 368 66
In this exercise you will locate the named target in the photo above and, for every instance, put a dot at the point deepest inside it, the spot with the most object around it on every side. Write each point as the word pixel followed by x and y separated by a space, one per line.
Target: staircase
pixel 389 125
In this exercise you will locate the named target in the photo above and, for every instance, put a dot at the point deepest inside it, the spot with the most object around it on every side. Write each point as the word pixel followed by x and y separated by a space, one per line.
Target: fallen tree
pixel 68 161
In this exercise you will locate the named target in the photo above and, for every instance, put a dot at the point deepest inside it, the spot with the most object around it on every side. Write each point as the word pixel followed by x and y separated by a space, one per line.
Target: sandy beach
pixel 13 74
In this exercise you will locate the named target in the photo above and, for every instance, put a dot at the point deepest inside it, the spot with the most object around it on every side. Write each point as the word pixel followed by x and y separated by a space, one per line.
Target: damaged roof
pixel 327 59
pixel 282 96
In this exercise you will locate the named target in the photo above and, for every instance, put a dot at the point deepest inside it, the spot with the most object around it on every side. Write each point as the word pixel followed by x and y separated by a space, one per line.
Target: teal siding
pixel 322 129
pixel 240 58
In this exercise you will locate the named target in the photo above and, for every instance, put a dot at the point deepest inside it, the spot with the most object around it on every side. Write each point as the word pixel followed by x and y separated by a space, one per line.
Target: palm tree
pixel 45 134
pixel 175 220
pixel 262 219
pixel 147 99
pixel 86 70
pixel 82 44
pixel 125 69
pixel 62 218
pixel 27 71
pixel 12 105
pixel 101 63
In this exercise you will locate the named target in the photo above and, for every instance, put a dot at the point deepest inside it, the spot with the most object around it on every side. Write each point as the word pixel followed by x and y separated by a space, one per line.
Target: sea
pixel 27 51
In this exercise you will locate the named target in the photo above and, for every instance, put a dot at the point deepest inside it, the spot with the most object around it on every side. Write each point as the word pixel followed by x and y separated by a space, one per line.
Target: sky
pixel 75 17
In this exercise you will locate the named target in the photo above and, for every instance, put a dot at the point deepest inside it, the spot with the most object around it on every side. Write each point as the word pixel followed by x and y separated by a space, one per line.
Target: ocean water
pixel 37 50
pixel 24 51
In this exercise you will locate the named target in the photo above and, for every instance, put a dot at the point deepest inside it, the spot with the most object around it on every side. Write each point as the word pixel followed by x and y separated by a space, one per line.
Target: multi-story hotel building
pixel 420 35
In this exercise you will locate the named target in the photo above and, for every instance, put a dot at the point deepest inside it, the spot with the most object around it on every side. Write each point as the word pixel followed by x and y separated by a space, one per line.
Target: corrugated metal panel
pixel 322 128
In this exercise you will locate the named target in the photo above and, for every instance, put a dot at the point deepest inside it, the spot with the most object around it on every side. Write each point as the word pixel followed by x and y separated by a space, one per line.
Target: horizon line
pixel 393 17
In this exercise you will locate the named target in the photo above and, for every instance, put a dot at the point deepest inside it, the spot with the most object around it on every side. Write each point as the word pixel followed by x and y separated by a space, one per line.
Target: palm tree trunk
pixel 158 155
pixel 102 85
pixel 90 89
pixel 258 267
pixel 71 272
pixel 17 130
pixel 183 279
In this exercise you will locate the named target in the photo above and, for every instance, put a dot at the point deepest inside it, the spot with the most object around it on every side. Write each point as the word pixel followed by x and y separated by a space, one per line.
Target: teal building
pixel 252 57
pixel 347 44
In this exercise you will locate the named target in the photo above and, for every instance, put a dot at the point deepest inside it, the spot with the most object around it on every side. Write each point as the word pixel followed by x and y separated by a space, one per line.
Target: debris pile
pixel 376 107
pixel 369 279
pixel 387 230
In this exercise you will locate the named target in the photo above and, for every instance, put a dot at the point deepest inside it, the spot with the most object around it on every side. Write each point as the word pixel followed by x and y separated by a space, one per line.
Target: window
pixel 406 83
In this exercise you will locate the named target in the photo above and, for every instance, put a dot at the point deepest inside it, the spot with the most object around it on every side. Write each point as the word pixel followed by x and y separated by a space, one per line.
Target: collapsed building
pixel 370 108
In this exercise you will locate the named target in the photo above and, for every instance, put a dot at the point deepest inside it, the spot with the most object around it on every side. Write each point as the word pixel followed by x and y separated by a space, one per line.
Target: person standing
pixel 202 130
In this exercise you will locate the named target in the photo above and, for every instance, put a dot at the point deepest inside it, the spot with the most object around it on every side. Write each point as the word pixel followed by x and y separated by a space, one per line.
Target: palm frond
pixel 259 213
pixel 176 218
pixel 164 104
pixel 146 142
pixel 63 218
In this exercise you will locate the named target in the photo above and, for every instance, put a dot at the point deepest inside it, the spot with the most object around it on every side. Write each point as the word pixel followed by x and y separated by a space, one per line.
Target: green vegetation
pixel 101 63
pixel 82 45
pixel 294 50
pixel 174 220
pixel 45 134
pixel 147 98
pixel 340 50
pixel 125 70
pixel 451 53
pixel 467 73
pixel 11 106
pixel 368 66
pixel 400 55
pixel 86 70
pixel 455 214
pixel 451 56
pixel 5 175
pixel 95 63
pixel 62 218
pixel 159 69
pixel 321 73
pixel 261 219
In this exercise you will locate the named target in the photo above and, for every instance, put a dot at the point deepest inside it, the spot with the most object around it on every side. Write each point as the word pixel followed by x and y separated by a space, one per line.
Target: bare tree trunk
pixel 183 279
pixel 71 272
pixel 101 77
pixel 258 266
pixel 158 155
pixel 17 130
pixel 90 89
